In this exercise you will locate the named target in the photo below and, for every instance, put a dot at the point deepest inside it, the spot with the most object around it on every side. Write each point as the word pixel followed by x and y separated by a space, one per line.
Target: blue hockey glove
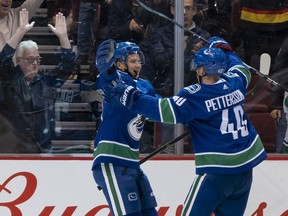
pixel 105 56
pixel 120 94
pixel 217 42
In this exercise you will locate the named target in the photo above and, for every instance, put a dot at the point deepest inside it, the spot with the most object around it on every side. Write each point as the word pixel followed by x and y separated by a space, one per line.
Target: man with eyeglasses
pixel 162 50
pixel 25 103
pixel 161 53
pixel 9 22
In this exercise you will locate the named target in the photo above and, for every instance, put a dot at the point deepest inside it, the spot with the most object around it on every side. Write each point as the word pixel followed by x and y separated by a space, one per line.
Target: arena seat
pixel 258 95
pixel 266 127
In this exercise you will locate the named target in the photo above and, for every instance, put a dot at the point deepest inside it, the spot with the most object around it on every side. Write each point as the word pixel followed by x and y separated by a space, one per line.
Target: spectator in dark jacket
pixel 162 51
pixel 122 25
pixel 160 70
pixel 25 87
pixel 279 73
pixel 215 17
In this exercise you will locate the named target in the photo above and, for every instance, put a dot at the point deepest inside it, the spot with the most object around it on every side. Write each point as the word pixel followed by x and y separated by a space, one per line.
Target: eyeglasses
pixel 31 60
pixel 189 8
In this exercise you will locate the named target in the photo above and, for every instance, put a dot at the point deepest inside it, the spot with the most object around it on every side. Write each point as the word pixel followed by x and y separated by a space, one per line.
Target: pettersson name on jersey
pixel 224 101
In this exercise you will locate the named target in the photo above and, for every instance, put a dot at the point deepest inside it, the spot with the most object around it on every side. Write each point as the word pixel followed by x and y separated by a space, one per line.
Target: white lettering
pixel 224 101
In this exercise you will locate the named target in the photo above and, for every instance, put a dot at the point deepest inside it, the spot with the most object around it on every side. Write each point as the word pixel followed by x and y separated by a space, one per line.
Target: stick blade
pixel 265 63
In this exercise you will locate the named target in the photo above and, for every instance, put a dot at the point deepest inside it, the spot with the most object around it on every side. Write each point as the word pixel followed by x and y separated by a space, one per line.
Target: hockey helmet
pixel 124 49
pixel 212 59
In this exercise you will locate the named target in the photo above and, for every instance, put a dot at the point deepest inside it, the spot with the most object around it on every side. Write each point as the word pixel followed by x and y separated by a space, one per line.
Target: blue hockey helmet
pixel 212 59
pixel 124 49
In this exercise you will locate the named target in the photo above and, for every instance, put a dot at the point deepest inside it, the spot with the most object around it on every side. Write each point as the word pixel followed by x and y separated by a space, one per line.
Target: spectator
pixel 9 22
pixel 85 31
pixel 116 147
pixel 88 25
pixel 227 146
pixel 214 16
pixel 9 17
pixel 152 22
pixel 122 24
pixel 24 85
pixel 161 72
pixel 262 27
pixel 162 51
pixel 279 73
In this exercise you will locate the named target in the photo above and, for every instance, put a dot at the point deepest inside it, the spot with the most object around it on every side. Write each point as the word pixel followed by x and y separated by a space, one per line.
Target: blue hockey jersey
pixel 224 139
pixel 117 140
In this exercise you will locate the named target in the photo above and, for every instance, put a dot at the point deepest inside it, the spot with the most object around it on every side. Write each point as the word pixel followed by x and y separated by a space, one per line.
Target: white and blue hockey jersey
pixel 224 139
pixel 117 139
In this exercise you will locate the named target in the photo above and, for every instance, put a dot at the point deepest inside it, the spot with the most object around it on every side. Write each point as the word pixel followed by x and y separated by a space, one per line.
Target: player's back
pixel 222 135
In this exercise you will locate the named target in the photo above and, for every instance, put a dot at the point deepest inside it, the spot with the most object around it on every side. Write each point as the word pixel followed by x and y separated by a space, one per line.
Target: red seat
pixel 257 99
pixel 266 128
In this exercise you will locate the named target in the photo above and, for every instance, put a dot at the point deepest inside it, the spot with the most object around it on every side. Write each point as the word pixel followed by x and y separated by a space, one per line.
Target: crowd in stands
pixel 251 27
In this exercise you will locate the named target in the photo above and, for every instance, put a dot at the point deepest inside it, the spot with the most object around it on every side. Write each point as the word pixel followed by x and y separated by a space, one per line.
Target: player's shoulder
pixel 192 89
pixel 124 76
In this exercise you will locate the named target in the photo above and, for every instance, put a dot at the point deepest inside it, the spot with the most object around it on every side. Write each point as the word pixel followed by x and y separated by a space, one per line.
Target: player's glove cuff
pixel 120 94
pixel 128 96
pixel 217 42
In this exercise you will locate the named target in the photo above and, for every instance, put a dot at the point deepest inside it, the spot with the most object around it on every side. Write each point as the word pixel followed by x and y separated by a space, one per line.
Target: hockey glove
pixel 120 94
pixel 217 42
pixel 105 56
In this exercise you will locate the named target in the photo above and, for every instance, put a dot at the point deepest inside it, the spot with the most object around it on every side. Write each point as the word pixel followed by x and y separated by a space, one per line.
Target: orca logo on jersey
pixel 132 196
pixel 135 127
pixel 193 88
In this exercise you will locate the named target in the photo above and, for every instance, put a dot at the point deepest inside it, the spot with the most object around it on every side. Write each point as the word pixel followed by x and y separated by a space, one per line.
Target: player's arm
pixel 236 66
pixel 170 110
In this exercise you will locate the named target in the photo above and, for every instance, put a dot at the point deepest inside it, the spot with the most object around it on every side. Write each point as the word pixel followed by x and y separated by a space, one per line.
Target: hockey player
pixel 116 168
pixel 227 146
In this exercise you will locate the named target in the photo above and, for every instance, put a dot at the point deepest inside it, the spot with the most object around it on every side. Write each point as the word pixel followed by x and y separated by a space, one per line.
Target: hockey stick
pixel 265 62
pixel 164 146
pixel 268 79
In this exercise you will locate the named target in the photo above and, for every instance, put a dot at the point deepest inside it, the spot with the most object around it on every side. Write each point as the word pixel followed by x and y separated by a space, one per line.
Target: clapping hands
pixel 60 28
pixel 24 21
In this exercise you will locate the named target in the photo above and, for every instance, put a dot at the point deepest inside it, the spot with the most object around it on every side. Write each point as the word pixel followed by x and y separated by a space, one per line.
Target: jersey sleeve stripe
pixel 242 71
pixel 167 114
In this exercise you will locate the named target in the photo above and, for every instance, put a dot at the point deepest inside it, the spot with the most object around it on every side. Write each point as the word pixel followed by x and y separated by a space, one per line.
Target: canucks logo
pixel 135 127
pixel 193 88
pixel 132 196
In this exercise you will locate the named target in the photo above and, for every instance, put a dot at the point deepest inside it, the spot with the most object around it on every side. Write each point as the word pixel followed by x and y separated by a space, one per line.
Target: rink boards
pixel 63 185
